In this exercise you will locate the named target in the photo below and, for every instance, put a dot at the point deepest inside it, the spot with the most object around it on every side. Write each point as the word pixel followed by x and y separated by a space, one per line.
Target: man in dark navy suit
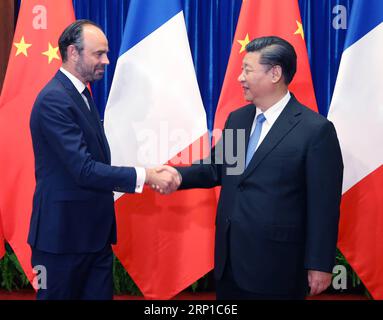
pixel 73 220
pixel 278 212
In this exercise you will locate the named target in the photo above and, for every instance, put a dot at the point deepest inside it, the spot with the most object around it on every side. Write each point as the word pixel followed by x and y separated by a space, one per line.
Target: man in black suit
pixel 278 211
pixel 73 221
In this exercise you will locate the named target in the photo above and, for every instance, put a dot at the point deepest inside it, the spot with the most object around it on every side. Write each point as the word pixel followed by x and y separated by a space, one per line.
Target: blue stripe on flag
pixel 144 17
pixel 365 16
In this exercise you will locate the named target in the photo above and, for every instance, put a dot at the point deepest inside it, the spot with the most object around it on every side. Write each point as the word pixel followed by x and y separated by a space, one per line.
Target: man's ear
pixel 72 53
pixel 276 73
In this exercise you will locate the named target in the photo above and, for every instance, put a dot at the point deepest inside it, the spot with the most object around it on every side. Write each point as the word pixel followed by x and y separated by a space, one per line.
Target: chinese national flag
pixel 33 61
pixel 260 18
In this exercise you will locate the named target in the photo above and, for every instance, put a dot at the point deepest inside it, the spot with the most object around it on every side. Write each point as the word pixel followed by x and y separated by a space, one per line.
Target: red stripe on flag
pixel 176 248
pixel 361 231
pixel 172 242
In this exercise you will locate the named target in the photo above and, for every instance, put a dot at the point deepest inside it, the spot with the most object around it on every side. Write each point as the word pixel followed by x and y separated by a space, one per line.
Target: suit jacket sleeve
pixel 206 173
pixel 324 172
pixel 65 137
pixel 201 174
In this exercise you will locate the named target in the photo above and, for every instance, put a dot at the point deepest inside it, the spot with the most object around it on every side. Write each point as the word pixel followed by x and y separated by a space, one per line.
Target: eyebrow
pixel 101 51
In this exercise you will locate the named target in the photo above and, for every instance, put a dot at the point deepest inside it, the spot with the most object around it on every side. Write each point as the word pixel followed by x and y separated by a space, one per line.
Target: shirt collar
pixel 76 82
pixel 275 110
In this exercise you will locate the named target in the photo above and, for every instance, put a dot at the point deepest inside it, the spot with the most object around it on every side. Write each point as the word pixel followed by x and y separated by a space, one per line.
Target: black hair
pixel 73 35
pixel 276 51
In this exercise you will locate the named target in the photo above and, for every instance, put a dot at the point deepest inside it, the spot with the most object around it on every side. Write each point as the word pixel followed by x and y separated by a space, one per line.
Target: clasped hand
pixel 164 179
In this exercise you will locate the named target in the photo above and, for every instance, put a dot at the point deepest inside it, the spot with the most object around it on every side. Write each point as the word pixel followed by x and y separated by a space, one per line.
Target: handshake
pixel 163 179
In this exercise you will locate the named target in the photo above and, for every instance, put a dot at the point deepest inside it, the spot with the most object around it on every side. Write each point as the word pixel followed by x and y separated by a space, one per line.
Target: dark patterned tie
pixel 92 105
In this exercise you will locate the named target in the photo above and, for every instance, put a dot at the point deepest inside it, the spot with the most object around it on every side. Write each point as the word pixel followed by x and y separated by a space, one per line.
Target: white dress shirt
pixel 271 116
pixel 80 86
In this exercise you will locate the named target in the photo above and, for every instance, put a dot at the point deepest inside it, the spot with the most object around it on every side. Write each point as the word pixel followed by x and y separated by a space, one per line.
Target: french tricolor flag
pixel 155 112
pixel 357 113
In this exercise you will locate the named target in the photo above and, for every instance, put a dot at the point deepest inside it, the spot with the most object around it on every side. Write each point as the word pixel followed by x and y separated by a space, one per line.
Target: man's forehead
pixel 95 39
pixel 89 28
pixel 93 33
pixel 250 58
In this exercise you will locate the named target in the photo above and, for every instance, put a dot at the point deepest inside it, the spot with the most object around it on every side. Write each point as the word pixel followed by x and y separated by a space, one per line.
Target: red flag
pixel 2 248
pixel 166 242
pixel 33 61
pixel 260 18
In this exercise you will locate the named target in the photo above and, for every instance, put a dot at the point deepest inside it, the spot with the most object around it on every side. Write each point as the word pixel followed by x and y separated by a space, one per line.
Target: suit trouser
pixel 227 288
pixel 87 276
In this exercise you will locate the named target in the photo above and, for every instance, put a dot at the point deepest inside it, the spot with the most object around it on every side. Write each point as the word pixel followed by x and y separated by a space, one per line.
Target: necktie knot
pixel 86 93
pixel 261 118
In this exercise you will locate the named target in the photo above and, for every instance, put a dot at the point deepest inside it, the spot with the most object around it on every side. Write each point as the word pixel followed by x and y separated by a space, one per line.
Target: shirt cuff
pixel 141 177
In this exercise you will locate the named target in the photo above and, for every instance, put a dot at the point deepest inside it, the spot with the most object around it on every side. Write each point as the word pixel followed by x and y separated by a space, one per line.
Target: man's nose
pixel 241 78
pixel 105 59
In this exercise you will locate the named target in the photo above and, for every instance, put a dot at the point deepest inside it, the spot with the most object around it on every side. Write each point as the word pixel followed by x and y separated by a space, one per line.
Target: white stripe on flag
pixel 154 108
pixel 357 107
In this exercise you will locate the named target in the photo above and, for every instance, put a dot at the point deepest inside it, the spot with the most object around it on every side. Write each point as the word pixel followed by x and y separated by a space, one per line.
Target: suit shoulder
pixel 52 89
pixel 311 117
pixel 314 124
pixel 51 94
pixel 52 100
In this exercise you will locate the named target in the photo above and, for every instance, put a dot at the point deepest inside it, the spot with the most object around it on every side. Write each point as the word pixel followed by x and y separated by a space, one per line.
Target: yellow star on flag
pixel 244 43
pixel 22 47
pixel 51 53
pixel 300 30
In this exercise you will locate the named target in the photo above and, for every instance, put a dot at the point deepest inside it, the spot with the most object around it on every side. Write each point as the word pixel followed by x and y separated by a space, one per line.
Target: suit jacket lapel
pixel 92 118
pixel 75 95
pixel 286 121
